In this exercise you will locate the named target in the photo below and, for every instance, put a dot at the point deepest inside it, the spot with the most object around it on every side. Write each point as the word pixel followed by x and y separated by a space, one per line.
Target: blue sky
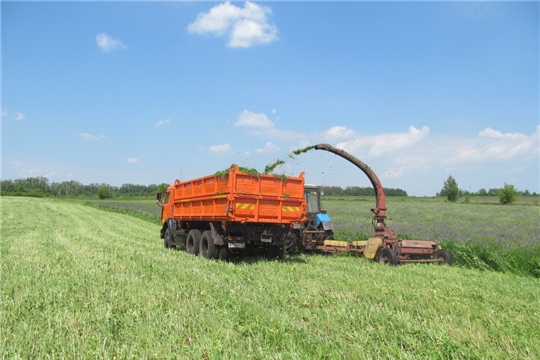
pixel 143 92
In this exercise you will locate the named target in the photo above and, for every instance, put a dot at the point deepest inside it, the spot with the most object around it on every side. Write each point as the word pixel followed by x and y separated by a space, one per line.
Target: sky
pixel 149 92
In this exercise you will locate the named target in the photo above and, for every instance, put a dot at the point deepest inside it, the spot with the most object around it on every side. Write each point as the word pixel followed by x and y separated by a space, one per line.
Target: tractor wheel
pixel 444 255
pixel 167 240
pixel 291 244
pixel 387 256
pixel 207 248
pixel 193 241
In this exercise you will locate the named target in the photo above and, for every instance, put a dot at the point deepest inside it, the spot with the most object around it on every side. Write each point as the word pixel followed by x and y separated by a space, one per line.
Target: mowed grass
pixel 82 283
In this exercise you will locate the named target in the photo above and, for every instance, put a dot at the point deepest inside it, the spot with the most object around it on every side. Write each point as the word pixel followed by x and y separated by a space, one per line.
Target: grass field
pixel 82 283
pixel 486 236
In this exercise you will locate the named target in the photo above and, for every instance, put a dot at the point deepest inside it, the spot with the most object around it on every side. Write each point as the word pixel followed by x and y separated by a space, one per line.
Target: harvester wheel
pixel 193 241
pixel 387 256
pixel 167 240
pixel 207 248
pixel 444 255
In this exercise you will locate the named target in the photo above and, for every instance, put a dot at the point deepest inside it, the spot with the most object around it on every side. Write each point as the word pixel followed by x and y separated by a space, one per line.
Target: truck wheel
pixel 387 256
pixel 444 255
pixel 207 248
pixel 223 253
pixel 192 242
pixel 167 240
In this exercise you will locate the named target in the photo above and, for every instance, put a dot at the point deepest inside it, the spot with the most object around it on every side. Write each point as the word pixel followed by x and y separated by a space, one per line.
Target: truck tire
pixel 444 255
pixel 167 239
pixel 193 242
pixel 207 248
pixel 387 256
pixel 223 253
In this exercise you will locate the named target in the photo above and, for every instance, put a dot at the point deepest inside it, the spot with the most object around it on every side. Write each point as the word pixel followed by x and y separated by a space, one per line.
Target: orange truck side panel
pixel 240 197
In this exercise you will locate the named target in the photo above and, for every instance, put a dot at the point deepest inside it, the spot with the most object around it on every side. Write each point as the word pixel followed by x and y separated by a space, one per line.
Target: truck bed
pixel 240 197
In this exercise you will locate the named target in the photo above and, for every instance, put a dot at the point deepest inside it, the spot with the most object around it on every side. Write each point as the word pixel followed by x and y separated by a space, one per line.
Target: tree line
pixel 42 187
pixel 359 191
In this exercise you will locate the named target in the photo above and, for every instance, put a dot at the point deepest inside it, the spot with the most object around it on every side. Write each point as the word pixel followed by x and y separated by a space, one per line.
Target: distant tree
pixel 104 192
pixel 162 188
pixel 507 194
pixel 450 189
pixel 482 192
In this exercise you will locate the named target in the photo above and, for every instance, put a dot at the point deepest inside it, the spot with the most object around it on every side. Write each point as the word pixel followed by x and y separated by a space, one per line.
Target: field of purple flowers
pixel 484 236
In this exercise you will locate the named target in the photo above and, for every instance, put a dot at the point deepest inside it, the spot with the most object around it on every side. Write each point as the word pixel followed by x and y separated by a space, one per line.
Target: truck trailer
pixel 235 212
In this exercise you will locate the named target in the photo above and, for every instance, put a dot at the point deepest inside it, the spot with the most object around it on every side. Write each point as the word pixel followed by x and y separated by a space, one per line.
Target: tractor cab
pixel 315 215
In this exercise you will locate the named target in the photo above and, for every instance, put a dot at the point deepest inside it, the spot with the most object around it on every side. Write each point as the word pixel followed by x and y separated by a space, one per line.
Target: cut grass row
pixel 83 283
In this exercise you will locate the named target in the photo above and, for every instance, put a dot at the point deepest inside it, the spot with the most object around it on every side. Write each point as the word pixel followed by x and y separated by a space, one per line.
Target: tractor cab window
pixel 313 201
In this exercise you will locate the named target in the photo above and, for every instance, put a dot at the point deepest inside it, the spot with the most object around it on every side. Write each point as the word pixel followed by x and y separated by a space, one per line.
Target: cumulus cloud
pixel 132 160
pixel 378 145
pixel 250 119
pixel 268 149
pixel 218 149
pixel 244 27
pixel 338 133
pixel 162 123
pixel 493 146
pixel 108 43
pixel 19 116
pixel 89 137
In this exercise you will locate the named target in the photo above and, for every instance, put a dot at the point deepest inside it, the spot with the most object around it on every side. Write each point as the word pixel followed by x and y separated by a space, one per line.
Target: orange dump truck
pixel 235 212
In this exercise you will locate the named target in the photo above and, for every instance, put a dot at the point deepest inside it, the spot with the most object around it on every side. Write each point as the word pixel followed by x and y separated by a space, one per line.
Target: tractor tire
pixel 207 248
pixel 387 256
pixel 193 242
pixel 292 246
pixel 444 255
pixel 167 239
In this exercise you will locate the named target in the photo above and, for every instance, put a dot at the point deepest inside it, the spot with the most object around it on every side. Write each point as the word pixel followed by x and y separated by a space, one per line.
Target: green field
pixel 78 282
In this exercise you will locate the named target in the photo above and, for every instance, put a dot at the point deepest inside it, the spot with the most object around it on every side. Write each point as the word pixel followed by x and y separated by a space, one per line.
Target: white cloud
pixel 493 146
pixel 217 149
pixel 89 137
pixel 250 119
pixel 378 145
pixel 19 116
pixel 16 163
pixel 245 27
pixel 108 43
pixel 162 123
pixel 133 160
pixel 338 133
pixel 4 112
pixel 268 149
